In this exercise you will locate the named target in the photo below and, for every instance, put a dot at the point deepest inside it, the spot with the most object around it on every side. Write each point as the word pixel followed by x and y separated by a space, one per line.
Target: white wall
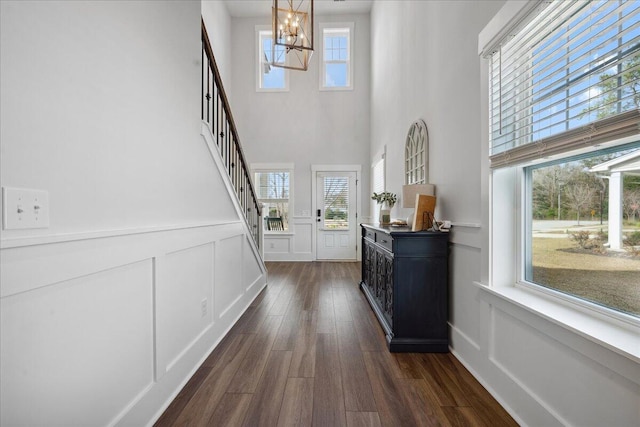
pixel 218 23
pixel 423 68
pixel 101 107
pixel 304 126
pixel 425 65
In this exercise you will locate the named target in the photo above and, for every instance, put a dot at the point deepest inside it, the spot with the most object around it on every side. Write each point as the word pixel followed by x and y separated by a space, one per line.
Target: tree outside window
pixel 273 192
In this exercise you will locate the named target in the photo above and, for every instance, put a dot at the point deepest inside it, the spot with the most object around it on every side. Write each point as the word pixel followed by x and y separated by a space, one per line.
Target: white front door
pixel 336 216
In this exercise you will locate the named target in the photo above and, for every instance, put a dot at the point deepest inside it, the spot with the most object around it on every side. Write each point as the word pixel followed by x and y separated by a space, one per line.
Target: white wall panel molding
pixel 229 283
pixel 569 377
pixel 496 355
pixel 463 315
pixel 459 339
pixel 615 359
pixel 253 269
pixel 466 234
pixel 302 242
pixel 155 302
pixel 8 243
pixel 187 282
pixel 28 267
pixel 293 246
pixel 554 370
pixel 58 343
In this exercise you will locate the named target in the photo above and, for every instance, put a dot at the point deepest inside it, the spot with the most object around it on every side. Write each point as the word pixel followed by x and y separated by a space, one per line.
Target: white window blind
pixel 569 76
pixel 336 202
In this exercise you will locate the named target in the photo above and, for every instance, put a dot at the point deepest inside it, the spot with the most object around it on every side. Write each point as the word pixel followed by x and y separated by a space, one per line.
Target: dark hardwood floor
pixel 309 351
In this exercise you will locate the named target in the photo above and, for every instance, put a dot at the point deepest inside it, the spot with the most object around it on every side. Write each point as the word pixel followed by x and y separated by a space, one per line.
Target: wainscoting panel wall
pixel 105 331
pixel 544 372
pixel 185 289
pixel 59 342
pixel 297 244
pixel 462 281
pixel 252 273
pixel 228 285
pixel 294 245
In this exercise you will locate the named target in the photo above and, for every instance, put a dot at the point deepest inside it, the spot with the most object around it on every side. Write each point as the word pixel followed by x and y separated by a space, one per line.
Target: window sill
pixel 278 233
pixel 336 88
pixel 616 335
pixel 260 90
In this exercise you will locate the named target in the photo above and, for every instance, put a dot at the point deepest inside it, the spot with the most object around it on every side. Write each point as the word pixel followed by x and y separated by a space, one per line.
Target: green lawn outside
pixel 609 280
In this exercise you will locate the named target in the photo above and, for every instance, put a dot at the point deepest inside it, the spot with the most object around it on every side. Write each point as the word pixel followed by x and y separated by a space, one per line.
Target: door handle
pixel 319 214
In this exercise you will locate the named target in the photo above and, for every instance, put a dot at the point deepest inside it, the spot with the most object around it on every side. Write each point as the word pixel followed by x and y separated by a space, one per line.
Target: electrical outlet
pixel 203 307
pixel 24 208
pixel 271 246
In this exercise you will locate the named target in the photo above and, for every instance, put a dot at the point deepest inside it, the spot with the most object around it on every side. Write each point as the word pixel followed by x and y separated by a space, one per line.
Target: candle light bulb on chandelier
pixel 293 33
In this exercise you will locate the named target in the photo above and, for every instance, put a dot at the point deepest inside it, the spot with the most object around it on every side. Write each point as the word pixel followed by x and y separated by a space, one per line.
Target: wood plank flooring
pixel 309 351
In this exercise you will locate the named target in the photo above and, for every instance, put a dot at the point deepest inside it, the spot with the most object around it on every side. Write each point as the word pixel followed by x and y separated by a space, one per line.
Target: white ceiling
pixel 252 8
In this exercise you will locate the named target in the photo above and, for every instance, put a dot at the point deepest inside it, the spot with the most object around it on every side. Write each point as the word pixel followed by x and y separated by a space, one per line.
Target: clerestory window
pixel 269 77
pixel 336 56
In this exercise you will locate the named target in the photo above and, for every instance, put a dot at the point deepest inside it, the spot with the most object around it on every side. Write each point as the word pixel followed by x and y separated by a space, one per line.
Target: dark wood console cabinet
pixel 405 280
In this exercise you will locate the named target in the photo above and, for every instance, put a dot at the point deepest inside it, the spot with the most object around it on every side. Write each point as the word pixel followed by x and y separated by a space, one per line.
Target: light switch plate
pixel 24 208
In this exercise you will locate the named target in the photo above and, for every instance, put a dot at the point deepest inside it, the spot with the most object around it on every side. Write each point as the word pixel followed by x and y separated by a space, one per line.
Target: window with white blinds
pixel 336 202
pixel 569 76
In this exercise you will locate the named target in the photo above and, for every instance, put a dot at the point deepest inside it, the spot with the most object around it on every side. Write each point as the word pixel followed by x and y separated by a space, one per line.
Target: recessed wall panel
pixel 228 274
pixel 77 352
pixel 251 267
pixel 463 304
pixel 185 300
pixel 568 379
pixel 302 239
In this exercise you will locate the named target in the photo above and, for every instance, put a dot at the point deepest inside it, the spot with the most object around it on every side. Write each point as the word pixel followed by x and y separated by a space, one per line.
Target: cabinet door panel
pixel 424 298
pixel 388 306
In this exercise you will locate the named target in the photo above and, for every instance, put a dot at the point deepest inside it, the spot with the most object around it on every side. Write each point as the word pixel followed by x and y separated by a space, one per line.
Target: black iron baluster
pixel 220 121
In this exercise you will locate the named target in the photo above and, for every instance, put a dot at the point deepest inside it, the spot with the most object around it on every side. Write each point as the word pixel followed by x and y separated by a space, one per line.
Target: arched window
pixel 416 163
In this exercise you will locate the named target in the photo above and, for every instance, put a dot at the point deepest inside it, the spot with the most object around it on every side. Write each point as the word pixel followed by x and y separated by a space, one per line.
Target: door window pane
pixel 336 203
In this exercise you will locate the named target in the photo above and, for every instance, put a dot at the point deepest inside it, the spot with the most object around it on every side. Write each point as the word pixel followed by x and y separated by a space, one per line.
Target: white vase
pixel 385 214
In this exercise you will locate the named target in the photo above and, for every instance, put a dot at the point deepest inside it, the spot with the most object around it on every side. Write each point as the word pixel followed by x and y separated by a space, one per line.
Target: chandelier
pixel 292 33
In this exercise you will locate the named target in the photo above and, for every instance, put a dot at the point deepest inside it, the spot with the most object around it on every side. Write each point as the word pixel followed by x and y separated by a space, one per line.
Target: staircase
pixel 216 113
